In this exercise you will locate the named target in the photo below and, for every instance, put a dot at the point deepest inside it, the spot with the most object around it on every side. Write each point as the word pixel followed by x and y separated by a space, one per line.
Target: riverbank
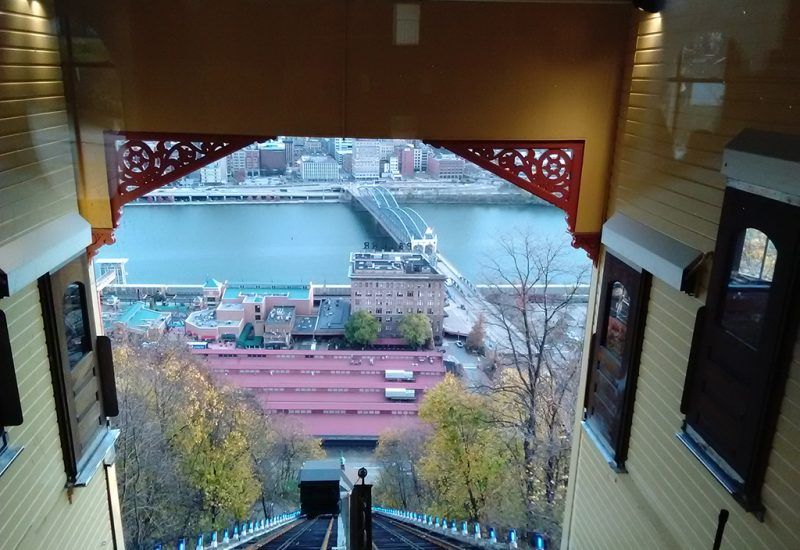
pixel 408 193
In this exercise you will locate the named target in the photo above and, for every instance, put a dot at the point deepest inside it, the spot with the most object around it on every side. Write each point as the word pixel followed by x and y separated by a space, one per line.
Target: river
pixel 300 243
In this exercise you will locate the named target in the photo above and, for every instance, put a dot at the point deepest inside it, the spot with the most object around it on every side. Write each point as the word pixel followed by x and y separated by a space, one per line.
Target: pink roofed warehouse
pixel 337 395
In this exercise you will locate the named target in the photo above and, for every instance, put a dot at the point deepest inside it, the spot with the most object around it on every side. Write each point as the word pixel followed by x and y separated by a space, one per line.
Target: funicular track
pixel 312 534
pixel 388 534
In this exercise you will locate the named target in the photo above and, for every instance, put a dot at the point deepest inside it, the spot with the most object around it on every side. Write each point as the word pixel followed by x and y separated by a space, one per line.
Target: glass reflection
pixel 747 291
pixel 75 323
pixel 617 326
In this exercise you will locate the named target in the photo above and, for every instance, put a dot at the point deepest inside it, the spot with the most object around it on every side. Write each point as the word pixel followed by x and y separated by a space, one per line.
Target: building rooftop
pixel 317 159
pixel 280 315
pixel 231 307
pixel 212 283
pixel 293 292
pixel 137 316
pixel 333 314
pixel 391 264
pixel 272 146
pixel 207 318
pixel 305 323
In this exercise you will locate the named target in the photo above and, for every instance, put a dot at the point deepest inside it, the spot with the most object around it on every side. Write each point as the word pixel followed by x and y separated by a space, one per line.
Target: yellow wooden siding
pixel 37 184
pixel 35 511
pixel 666 173
pixel 37 180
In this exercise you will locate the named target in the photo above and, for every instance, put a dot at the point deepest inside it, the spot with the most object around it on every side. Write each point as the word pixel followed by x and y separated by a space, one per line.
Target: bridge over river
pixel 405 226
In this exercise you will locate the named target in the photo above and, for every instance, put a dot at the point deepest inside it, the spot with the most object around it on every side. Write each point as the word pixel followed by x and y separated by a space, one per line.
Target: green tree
pixel 416 329
pixel 194 454
pixel 212 445
pixel 476 336
pixel 465 458
pixel 362 328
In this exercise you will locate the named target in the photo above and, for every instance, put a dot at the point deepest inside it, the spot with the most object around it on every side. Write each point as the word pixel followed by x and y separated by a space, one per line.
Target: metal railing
pixel 468 531
pixel 234 537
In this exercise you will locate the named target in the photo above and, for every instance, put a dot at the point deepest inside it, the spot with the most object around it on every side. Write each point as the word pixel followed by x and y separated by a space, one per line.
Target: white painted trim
pixel 773 178
pixel 666 258
pixel 28 257
pixel 8 455
pixel 102 454
pixel 764 163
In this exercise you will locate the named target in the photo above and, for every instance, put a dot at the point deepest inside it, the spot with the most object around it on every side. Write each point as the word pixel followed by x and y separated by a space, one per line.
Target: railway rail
pixel 313 534
pixel 388 534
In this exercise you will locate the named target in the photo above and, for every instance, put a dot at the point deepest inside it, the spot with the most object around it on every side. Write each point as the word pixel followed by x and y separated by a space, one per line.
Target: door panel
pixel 75 334
pixel 731 386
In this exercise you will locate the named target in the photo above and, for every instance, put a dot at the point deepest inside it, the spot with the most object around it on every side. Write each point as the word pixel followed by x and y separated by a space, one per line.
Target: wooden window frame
pixel 79 466
pixel 773 352
pixel 616 269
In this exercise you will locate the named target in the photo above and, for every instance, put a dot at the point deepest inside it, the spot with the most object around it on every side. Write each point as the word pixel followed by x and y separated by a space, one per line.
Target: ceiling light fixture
pixel 650 6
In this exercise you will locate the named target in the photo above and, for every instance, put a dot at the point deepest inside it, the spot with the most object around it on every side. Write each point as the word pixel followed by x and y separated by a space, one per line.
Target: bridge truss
pixel 404 224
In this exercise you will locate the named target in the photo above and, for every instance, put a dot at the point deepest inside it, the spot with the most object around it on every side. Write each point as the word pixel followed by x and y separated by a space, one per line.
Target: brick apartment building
pixel 393 284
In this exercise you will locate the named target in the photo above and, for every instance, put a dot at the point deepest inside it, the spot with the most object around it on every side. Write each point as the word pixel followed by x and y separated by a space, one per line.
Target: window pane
pixel 617 319
pixel 747 291
pixel 758 256
pixel 75 323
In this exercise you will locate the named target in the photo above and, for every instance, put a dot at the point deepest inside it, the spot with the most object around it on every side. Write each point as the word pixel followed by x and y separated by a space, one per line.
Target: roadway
pixel 466 305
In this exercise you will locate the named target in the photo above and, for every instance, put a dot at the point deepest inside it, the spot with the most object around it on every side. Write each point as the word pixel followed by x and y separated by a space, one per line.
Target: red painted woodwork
pixel 549 170
pixel 100 237
pixel 140 162
pixel 589 242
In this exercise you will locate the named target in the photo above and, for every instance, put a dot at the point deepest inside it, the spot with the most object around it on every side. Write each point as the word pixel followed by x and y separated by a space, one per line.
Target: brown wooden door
pixel 74 321
pixel 731 384
pixel 615 355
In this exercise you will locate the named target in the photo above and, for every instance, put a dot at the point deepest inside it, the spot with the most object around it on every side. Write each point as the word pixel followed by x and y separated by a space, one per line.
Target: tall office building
pixel 319 168
pixel 366 159
pixel 446 167
pixel 216 172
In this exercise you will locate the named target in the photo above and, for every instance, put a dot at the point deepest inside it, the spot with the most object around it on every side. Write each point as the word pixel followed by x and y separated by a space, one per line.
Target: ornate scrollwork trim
pixel 140 162
pixel 589 242
pixel 100 236
pixel 548 169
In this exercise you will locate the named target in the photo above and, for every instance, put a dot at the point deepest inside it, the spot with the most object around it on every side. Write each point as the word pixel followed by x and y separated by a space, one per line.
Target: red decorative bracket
pixel 549 170
pixel 141 162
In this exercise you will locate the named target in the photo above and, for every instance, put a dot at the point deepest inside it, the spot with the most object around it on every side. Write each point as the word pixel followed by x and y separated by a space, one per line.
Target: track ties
pixel 388 534
pixel 312 534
